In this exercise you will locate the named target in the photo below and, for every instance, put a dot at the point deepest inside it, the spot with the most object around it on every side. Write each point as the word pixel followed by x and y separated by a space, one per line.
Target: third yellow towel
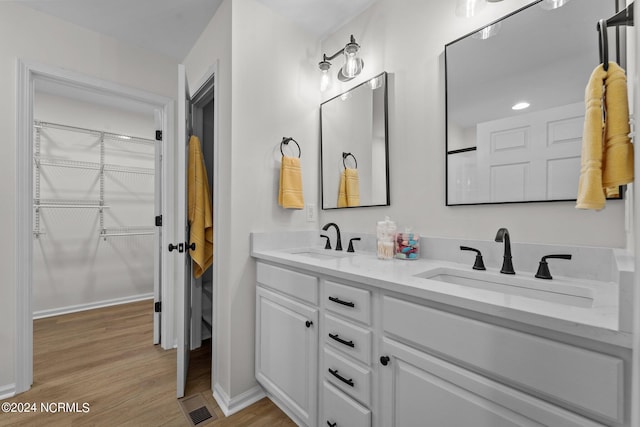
pixel 607 152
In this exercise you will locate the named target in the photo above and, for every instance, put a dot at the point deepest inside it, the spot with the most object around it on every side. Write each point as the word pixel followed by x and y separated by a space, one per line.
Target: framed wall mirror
pixel 515 102
pixel 354 147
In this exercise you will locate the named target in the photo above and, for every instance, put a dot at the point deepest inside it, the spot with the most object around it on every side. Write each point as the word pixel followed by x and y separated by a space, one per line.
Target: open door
pixel 183 266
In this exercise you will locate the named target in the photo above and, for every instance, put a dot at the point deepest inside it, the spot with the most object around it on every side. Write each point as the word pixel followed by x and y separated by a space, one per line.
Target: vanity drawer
pixel 340 410
pixel 289 282
pixel 348 338
pixel 348 301
pixel 583 378
pixel 347 376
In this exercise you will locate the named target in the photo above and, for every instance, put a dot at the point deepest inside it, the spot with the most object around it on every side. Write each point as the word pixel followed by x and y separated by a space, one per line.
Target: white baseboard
pixel 89 306
pixel 7 391
pixel 230 406
pixel 284 408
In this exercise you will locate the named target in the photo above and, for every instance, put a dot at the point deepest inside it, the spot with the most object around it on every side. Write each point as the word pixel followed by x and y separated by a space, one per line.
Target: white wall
pixel 267 89
pixel 407 39
pixel 30 35
pixel 72 265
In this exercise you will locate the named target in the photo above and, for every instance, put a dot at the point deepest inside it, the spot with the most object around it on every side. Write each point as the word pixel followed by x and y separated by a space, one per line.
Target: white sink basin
pixel 546 290
pixel 319 253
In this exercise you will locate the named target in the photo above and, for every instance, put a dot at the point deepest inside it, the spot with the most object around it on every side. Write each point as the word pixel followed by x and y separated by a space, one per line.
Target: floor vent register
pixel 197 411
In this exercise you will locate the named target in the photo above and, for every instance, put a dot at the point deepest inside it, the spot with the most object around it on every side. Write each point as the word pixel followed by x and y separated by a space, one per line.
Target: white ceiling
pixel 171 27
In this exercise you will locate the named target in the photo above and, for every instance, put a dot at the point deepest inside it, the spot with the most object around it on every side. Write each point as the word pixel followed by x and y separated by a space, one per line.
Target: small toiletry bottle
pixel 407 245
pixel 385 232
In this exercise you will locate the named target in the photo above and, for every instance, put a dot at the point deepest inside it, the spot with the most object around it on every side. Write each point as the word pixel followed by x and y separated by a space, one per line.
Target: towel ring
pixel 345 155
pixel 285 141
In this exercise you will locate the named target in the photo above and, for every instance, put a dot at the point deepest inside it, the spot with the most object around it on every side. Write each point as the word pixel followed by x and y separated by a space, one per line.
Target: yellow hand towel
pixel 200 210
pixel 611 165
pixel 352 187
pixel 342 190
pixel 290 193
pixel 349 190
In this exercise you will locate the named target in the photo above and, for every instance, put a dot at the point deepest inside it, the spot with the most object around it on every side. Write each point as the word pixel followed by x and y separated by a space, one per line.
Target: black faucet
pixel 507 266
pixel 339 240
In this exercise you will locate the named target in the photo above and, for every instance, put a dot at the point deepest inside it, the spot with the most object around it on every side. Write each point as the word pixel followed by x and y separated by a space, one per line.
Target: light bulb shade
pixel 353 64
pixel 325 80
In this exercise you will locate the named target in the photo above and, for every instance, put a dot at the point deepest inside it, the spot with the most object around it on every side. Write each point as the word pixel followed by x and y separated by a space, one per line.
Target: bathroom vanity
pixel 349 340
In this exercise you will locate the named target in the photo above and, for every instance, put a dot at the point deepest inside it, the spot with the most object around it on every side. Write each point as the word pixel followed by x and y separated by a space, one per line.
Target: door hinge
pixel 157 308
pixel 158 135
pixel 159 221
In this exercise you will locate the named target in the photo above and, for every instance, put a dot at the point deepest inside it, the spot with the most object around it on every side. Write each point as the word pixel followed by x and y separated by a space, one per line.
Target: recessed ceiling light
pixel 520 106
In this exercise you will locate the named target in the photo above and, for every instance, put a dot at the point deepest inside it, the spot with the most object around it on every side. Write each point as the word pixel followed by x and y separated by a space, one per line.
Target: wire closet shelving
pixel 102 167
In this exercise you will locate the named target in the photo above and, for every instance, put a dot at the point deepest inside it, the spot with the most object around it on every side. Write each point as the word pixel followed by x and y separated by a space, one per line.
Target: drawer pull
pixel 308 323
pixel 340 377
pixel 339 301
pixel 330 424
pixel 336 337
pixel 384 360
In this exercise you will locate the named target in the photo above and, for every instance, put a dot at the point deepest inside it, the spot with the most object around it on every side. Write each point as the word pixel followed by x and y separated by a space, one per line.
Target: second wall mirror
pixel 354 147
pixel 515 102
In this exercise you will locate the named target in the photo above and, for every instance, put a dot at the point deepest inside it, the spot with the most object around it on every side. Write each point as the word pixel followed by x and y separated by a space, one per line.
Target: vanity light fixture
pixel 520 105
pixel 352 67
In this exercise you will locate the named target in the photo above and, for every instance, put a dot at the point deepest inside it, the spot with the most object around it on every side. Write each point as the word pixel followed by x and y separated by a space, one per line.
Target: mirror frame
pixel 620 44
pixel 387 202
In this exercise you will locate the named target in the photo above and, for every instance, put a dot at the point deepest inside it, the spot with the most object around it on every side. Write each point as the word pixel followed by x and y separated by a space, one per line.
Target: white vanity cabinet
pixel 486 369
pixel 380 358
pixel 287 341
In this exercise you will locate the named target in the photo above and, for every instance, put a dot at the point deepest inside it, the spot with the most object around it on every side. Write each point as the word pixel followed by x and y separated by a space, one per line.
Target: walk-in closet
pixel 94 194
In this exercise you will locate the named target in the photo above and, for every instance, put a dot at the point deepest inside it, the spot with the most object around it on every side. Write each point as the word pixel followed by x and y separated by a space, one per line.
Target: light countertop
pixel 597 322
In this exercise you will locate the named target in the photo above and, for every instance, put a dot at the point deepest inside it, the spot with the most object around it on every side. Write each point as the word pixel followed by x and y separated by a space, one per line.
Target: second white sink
pixel 552 291
pixel 318 253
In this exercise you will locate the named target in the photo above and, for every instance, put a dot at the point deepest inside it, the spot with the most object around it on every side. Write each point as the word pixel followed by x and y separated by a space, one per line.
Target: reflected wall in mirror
pixel 354 147
pixel 497 153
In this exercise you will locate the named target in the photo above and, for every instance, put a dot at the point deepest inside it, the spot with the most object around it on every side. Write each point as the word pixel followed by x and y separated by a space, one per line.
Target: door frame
pixel 27 73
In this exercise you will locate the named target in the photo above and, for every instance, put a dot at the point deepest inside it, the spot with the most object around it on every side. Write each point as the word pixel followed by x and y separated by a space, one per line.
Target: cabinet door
pixel 418 389
pixel 287 353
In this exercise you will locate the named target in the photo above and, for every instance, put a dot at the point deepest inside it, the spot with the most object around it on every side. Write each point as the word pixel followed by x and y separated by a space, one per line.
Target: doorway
pixel 95 198
pixel 199 307
pixel 31 77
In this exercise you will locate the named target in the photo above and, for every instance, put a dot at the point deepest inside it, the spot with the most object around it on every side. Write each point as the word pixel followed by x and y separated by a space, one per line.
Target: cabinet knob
pixel 308 323
pixel 385 360
pixel 330 424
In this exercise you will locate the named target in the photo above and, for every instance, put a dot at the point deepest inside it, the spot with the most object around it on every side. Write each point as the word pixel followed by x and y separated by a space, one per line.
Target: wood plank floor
pixel 105 357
